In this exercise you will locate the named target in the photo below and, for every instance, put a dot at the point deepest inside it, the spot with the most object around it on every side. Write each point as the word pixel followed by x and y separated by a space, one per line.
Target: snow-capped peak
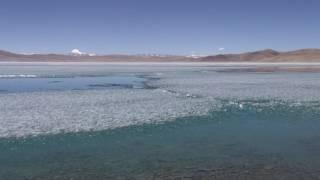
pixel 77 52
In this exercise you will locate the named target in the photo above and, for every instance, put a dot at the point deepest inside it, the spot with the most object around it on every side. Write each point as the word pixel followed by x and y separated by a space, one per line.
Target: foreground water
pixel 180 129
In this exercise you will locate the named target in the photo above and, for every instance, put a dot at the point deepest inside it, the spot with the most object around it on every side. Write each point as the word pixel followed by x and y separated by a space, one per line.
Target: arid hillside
pixel 268 55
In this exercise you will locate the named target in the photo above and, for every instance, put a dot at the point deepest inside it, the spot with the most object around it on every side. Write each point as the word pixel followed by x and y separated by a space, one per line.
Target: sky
pixel 179 27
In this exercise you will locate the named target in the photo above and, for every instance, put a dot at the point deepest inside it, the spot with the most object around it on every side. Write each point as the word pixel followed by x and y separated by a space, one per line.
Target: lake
pixel 158 121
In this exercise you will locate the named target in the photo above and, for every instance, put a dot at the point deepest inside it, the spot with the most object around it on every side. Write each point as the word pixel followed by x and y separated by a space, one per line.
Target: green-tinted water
pixel 247 139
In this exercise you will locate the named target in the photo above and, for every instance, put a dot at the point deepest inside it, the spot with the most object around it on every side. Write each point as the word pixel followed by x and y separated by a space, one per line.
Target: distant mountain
pixel 267 55
pixel 6 56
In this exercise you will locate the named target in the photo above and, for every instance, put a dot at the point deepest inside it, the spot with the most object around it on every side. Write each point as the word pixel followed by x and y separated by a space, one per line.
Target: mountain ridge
pixel 266 55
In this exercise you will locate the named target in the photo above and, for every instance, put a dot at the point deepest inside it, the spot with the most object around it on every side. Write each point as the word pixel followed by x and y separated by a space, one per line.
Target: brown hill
pixel 268 55
pixel 249 56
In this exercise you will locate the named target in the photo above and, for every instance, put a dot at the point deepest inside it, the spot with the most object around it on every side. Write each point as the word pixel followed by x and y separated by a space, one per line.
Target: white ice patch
pixel 18 76
pixel 30 114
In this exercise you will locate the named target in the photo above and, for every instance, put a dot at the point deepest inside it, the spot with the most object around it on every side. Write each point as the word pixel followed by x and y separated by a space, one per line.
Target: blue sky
pixel 158 26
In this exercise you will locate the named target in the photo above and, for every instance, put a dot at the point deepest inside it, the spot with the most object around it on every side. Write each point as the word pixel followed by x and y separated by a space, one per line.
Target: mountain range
pixel 267 55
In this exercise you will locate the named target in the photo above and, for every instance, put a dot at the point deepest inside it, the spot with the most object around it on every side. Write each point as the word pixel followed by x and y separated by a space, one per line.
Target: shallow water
pixel 33 84
pixel 195 123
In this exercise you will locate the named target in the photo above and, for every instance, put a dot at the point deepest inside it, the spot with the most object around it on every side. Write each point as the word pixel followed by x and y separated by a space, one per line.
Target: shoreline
pixel 246 63
pixel 228 67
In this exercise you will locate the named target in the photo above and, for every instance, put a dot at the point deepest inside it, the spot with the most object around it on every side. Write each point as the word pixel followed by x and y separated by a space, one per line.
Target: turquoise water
pixel 249 139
